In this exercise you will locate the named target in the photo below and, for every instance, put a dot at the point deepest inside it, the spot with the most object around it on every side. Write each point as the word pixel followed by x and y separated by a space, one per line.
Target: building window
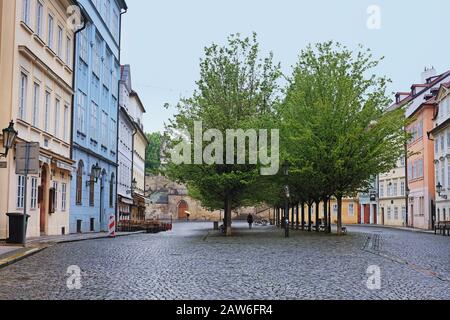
pixel 113 136
pixel 60 41
pixel 23 95
pixel 436 172
pixel 442 143
pixel 34 192
pixel 335 209
pixel 92 189
pixel 97 55
pixel 57 115
pixel 420 130
pixel 104 128
pixel 39 18
pixel 55 198
pixel 111 191
pixel 84 46
pixel 351 209
pixel 26 11
pixel 404 213
pixel 448 139
pixel 396 213
pixel 68 50
pixel 382 190
pixel 402 161
pixel 94 126
pixel 82 99
pixel 66 122
pixel 443 173
pixel 448 173
pixel 47 111
pixel 395 189
pixel 79 184
pixel 63 196
pixel 107 68
pixel 402 188
pixel 115 24
pixel 389 213
pixel 50 31
pixel 20 191
pixel 36 92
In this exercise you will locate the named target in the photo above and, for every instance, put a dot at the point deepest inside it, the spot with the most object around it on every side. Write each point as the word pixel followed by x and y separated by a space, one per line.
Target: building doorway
pixel 183 210
pixel 42 199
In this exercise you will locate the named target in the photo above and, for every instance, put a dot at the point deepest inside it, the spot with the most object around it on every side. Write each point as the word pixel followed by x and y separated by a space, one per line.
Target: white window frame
pixel 23 93
pixel 36 98
pixel 63 196
pixel 34 193
pixel 50 31
pixel 26 11
pixel 48 102
pixel 57 116
pixel 55 187
pixel 20 192
pixel 39 17
pixel 60 35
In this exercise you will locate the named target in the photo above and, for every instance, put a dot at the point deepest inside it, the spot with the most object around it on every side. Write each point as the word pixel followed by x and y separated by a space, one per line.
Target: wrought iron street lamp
pixel 439 190
pixel 287 196
pixel 96 170
pixel 9 137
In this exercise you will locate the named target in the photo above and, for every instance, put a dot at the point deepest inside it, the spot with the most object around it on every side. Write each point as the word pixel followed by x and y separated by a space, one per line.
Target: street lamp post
pixel 9 137
pixel 96 171
pixel 287 196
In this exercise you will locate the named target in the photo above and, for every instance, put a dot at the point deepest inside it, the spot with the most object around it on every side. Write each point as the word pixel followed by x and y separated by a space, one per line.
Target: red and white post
pixel 112 226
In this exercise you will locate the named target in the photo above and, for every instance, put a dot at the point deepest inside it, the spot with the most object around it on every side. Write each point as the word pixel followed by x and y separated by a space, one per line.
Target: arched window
pixel 79 189
pixel 111 191
pixel 92 188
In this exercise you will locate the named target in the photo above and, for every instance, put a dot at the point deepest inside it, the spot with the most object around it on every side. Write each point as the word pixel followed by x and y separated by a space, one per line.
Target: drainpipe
pixel 117 118
pixel 74 59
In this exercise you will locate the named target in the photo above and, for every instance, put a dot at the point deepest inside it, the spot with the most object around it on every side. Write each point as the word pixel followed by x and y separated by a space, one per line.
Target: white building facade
pixel 441 137
pixel 125 148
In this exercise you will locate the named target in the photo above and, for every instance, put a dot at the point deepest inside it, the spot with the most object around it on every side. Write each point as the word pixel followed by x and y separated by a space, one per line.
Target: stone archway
pixel 182 210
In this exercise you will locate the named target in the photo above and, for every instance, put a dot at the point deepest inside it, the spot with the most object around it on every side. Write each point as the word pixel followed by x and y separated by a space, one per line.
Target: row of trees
pixel 335 129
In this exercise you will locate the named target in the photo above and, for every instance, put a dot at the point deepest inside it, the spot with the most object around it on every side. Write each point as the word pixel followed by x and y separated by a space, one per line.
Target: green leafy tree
pixel 237 90
pixel 153 153
pixel 337 123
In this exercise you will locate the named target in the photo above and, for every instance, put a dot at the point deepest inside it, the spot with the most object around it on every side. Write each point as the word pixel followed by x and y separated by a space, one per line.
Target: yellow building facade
pixel 36 52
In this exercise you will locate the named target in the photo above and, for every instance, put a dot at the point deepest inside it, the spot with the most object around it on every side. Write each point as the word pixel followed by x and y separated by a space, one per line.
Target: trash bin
pixel 16 228
pixel 216 225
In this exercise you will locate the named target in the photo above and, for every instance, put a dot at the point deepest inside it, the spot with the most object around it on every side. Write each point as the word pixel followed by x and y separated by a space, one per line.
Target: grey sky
pixel 163 40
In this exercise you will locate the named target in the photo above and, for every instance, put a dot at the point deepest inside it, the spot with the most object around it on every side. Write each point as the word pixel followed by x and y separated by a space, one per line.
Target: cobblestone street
pixel 194 262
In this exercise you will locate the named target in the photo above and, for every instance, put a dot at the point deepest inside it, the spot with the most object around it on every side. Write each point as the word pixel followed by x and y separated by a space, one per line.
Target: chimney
pixel 428 73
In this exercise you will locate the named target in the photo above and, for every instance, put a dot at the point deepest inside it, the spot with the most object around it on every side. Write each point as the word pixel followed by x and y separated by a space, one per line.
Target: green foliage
pixel 336 129
pixel 237 90
pixel 153 153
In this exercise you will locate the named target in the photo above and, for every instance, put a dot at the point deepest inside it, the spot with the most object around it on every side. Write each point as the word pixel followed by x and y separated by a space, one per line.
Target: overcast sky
pixel 163 40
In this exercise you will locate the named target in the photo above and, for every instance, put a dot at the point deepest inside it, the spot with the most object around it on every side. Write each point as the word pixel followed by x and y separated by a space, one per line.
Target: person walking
pixel 250 221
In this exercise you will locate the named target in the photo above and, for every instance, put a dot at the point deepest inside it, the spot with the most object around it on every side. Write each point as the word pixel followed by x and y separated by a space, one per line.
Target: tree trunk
pixel 228 215
pixel 293 217
pixel 309 217
pixel 303 217
pixel 325 213
pixel 339 215
pixel 297 215
pixel 317 216
pixel 329 216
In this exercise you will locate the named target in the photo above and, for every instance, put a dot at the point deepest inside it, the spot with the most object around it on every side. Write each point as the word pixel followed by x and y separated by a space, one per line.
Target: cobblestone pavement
pixel 194 262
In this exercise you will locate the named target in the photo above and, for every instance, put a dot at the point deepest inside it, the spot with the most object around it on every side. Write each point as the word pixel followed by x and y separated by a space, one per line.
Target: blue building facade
pixel 95 116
